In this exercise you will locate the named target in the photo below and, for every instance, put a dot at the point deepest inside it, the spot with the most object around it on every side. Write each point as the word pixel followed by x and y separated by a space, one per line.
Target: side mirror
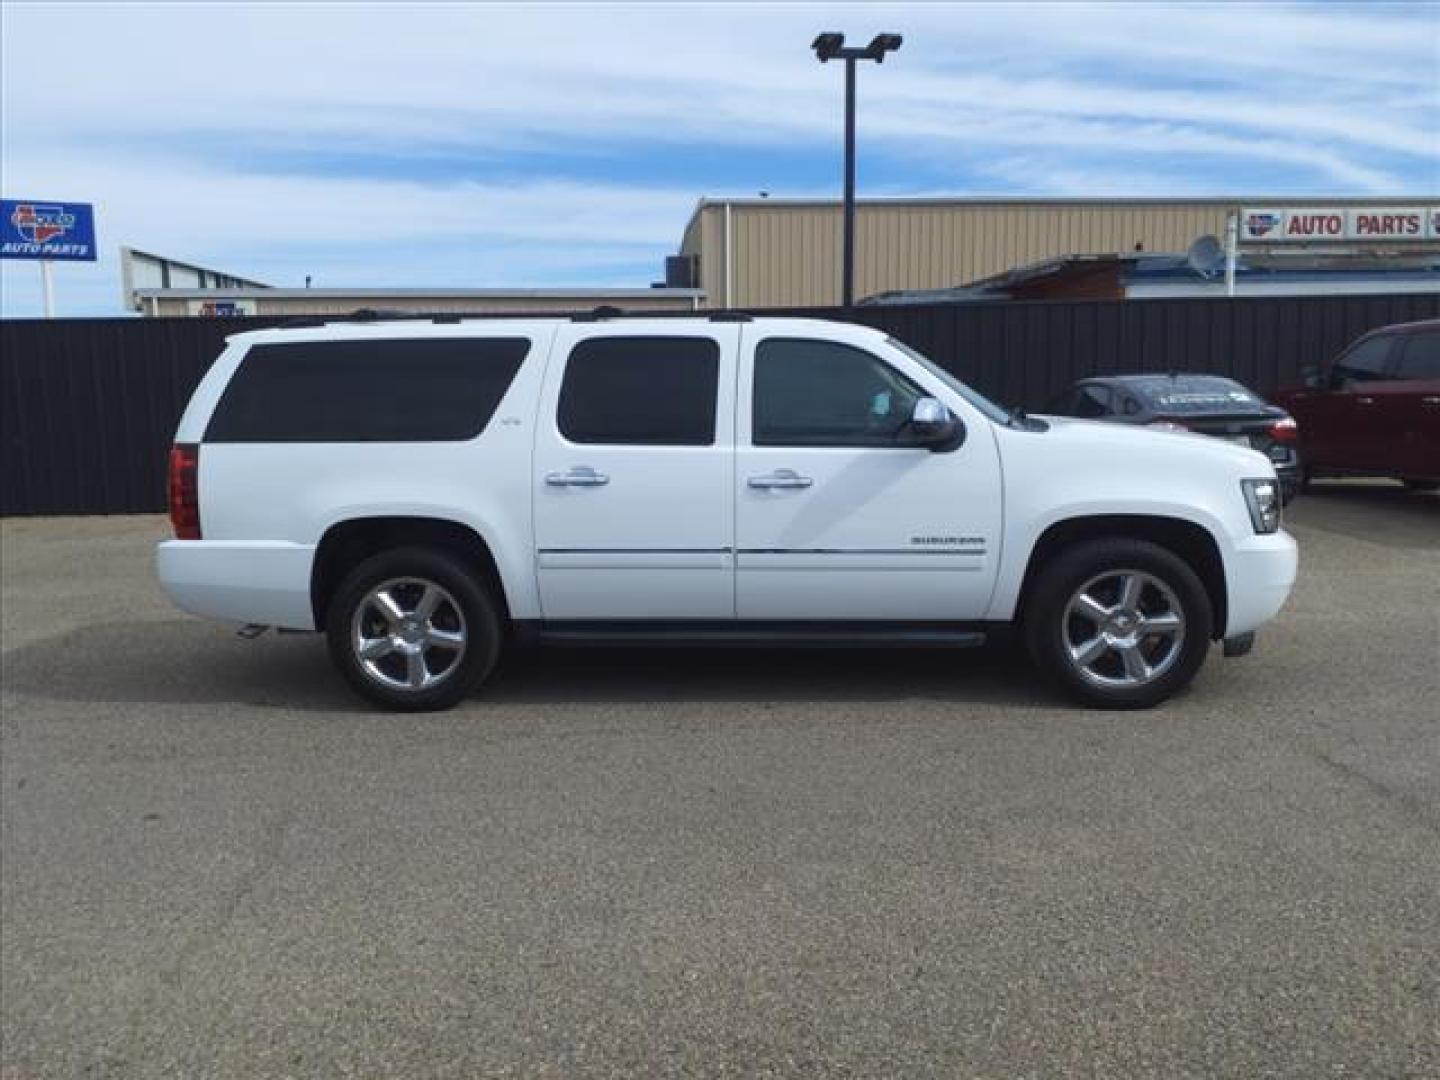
pixel 932 424
pixel 1312 377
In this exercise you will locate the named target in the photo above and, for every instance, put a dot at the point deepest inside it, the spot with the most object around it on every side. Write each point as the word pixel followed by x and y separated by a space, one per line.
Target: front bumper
pixel 1259 575
pixel 267 584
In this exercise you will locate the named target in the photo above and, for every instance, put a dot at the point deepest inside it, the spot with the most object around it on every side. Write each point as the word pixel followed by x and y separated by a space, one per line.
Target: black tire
pixel 1048 621
pixel 479 624
pixel 1422 485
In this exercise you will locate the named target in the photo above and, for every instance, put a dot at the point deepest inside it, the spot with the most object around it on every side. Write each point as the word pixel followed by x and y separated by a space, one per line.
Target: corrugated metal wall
pixel 88 406
pixel 1024 353
pixel 788 252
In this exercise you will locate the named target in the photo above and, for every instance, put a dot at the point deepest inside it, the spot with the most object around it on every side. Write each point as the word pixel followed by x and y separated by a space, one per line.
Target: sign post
pixel 47 287
pixel 1232 232
pixel 46 231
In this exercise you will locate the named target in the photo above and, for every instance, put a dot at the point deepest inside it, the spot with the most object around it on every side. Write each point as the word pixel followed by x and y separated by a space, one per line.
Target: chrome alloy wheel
pixel 408 634
pixel 1123 628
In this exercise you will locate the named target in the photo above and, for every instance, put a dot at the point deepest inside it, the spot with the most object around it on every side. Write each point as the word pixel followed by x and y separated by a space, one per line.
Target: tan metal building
pixel 764 252
pixel 776 252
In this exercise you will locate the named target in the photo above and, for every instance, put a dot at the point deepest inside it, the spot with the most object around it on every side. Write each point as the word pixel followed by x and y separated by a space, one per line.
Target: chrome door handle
pixel 578 476
pixel 1431 401
pixel 780 478
pixel 1364 401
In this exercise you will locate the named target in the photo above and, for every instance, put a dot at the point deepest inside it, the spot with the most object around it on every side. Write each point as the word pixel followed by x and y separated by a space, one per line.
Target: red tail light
pixel 1285 430
pixel 185 491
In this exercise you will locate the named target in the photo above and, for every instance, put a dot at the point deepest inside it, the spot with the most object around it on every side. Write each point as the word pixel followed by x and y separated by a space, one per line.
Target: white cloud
pixel 1062 98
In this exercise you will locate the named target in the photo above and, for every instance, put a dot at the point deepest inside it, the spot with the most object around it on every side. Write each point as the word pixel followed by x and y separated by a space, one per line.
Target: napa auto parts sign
pixel 1318 224
pixel 46 229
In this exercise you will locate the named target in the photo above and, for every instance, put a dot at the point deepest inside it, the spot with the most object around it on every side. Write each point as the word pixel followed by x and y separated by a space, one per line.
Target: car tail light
pixel 185 491
pixel 1285 430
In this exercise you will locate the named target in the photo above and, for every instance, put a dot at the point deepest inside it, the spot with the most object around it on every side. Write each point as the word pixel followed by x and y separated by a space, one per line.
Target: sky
pixel 492 145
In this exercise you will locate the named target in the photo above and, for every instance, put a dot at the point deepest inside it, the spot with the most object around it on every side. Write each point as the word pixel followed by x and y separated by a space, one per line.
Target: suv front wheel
pixel 412 630
pixel 1119 624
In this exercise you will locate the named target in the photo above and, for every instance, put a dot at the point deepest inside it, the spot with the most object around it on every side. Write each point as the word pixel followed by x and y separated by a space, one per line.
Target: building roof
pixel 267 293
pixel 130 255
pixel 1287 267
pixel 1169 267
pixel 996 286
pixel 1072 200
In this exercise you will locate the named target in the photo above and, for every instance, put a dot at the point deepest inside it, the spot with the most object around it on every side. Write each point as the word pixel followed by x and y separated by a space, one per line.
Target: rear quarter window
pixel 1419 357
pixel 399 390
pixel 1092 400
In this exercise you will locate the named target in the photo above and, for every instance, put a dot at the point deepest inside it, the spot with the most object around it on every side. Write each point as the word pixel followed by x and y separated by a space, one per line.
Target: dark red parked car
pixel 1376 410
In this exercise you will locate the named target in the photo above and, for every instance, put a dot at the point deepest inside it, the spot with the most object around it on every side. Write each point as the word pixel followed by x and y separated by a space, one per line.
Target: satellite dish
pixel 1206 256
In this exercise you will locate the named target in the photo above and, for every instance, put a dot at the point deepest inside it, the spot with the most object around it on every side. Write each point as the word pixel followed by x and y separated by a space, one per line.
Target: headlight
pixel 1263 499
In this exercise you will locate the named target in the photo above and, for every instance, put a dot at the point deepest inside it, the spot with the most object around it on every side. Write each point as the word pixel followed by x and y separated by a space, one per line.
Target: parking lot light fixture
pixel 828 46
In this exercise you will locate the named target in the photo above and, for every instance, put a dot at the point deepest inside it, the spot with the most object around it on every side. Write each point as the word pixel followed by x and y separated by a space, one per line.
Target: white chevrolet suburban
pixel 426 492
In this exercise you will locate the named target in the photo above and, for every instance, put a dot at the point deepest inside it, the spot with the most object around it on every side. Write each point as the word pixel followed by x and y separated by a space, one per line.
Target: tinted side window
pixel 1366 362
pixel 1092 401
pixel 1419 357
pixel 822 393
pixel 641 391
pixel 402 390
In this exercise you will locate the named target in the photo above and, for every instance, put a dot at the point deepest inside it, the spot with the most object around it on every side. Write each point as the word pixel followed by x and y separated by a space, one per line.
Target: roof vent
pixel 681 272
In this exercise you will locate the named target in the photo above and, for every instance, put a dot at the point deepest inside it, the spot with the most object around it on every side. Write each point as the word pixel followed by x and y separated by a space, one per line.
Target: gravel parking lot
pixel 216 863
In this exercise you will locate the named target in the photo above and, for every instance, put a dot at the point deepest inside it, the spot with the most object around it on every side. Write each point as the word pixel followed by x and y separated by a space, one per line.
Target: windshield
pixel 973 396
pixel 1195 394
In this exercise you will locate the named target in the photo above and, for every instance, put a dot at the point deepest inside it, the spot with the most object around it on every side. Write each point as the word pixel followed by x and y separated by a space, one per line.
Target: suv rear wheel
pixel 1118 624
pixel 412 630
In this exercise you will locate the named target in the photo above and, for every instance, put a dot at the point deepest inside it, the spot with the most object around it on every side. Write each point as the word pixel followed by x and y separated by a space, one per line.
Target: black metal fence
pixel 90 405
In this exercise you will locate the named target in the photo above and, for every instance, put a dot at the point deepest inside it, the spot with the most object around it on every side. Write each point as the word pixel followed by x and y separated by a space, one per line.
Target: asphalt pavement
pixel 214 862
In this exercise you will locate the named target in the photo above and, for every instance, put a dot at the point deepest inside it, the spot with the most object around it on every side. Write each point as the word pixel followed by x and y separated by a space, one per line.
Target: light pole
pixel 831 46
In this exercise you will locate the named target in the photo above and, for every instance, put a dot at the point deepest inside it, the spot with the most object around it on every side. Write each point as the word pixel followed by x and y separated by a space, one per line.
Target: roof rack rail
pixel 731 316
pixel 386 314
pixel 366 315
pixel 604 311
